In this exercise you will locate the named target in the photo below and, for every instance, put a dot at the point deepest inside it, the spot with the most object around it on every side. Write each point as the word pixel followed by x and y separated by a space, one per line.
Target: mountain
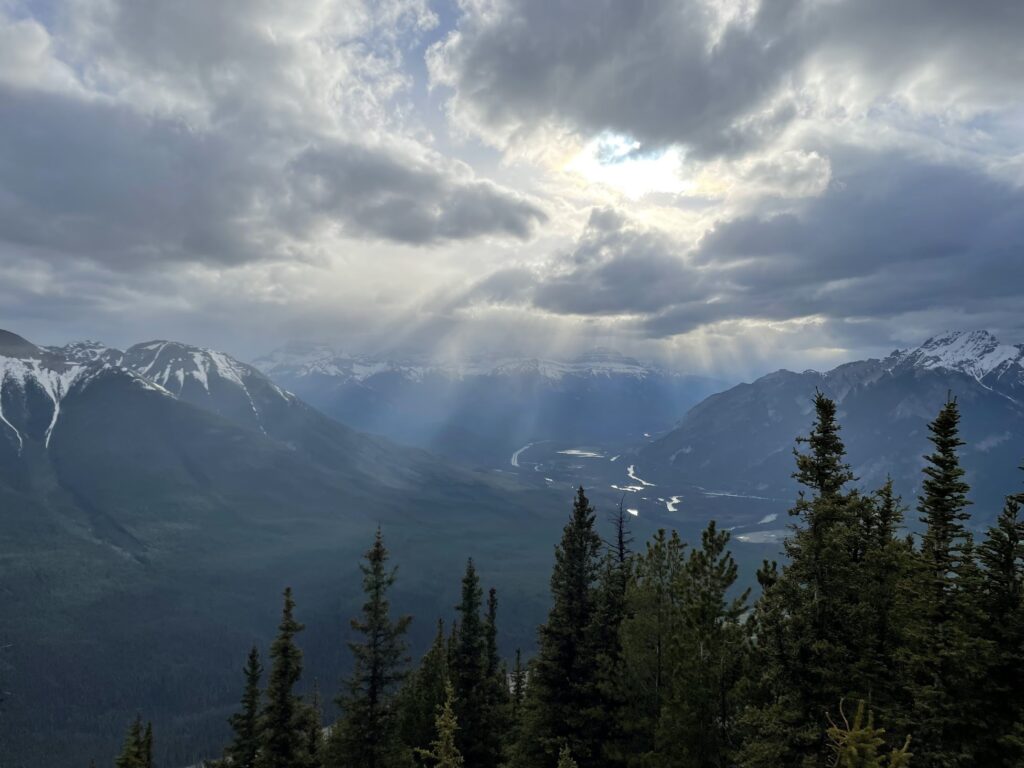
pixel 154 503
pixel 482 410
pixel 741 440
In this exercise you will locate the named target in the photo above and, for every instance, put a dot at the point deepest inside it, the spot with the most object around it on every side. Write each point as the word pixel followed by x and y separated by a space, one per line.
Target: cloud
pixel 196 134
pixel 890 239
pixel 724 78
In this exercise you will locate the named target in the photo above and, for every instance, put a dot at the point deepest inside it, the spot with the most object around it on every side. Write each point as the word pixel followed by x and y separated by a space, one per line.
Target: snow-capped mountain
pixel 160 497
pixel 742 438
pixel 296 361
pixel 480 410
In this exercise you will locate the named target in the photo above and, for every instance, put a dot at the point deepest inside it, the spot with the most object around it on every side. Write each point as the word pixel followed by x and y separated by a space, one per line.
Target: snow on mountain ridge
pixel 976 353
pixel 299 361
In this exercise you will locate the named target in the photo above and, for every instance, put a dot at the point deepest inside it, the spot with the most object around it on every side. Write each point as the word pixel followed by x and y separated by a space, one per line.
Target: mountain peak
pixel 976 353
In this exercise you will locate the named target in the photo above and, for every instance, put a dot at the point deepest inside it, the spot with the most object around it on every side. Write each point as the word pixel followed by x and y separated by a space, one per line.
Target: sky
pixel 729 186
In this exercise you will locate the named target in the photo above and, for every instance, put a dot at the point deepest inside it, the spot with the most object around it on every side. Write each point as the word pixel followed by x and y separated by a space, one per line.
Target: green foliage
pixel 944 656
pixel 443 752
pixel 469 674
pixel 137 749
pixel 423 693
pixel 861 745
pixel 698 724
pixel 367 736
pixel 563 678
pixel 652 621
pixel 1002 608
pixel 282 719
pixel 245 723
pixel 565 758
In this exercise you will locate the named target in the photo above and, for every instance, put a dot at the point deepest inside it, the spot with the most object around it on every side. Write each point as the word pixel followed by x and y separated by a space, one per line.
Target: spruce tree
pixel 565 758
pixel 943 657
pixel 423 693
pixel 313 731
pixel 147 746
pixel 367 735
pixel 698 721
pixel 496 715
pixel 652 621
pixel 563 677
pixel 861 745
pixel 813 660
pixel 245 724
pixel 133 750
pixel 1002 602
pixel 443 752
pixel 608 708
pixel 282 719
pixel 469 675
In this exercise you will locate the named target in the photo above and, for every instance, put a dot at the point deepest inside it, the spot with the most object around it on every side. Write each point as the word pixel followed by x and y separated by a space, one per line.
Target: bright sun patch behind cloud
pixel 619 162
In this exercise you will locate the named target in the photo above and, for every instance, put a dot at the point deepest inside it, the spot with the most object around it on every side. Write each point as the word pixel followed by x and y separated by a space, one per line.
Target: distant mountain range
pixel 154 502
pixel 481 410
pixel 742 439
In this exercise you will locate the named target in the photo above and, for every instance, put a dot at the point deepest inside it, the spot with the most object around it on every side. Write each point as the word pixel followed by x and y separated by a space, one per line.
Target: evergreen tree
pixel 367 735
pixel 147 746
pixel 652 621
pixel 517 698
pixel 134 753
pixel 608 709
pixel 444 753
pixel 698 721
pixel 861 745
pixel 564 675
pixel 281 728
pixel 245 723
pixel 943 658
pixel 313 731
pixel 496 722
pixel 423 694
pixel 1002 603
pixel 813 660
pixel 469 674
pixel 565 758
pixel 885 565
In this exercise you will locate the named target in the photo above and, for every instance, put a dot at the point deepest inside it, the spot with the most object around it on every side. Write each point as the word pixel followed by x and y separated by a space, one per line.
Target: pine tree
pixel 652 621
pixel 1002 602
pixel 861 745
pixel 565 758
pixel 469 675
pixel 885 564
pixel 443 752
pixel 367 735
pixel 313 731
pixel 814 606
pixel 245 723
pixel 608 709
pixel 496 715
pixel 133 750
pixel 564 674
pixel 698 721
pixel 422 695
pixel 147 746
pixel 943 658
pixel 281 729
pixel 517 697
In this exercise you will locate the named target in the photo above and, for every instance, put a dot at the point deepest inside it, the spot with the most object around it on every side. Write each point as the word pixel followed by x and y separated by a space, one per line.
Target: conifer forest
pixel 887 636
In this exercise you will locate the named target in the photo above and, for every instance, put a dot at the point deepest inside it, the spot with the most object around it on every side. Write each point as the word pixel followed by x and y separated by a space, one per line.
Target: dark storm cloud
pixel 409 202
pixel 97 179
pixel 891 236
pixel 674 72
pixel 647 69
